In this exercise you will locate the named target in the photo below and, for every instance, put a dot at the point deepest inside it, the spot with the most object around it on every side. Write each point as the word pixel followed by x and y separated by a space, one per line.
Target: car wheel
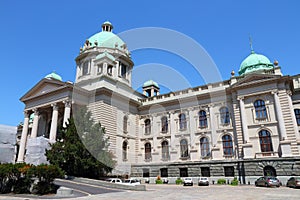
pixel 256 184
pixel 266 184
pixel 192 184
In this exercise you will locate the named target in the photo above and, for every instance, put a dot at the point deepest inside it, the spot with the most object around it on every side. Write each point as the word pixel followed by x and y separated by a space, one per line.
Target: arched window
pixel 204 147
pixel 123 70
pixel 297 114
pixel 147 126
pixel 202 119
pixel 269 171
pixel 164 124
pixel 265 142
pixel 260 109
pixel 165 150
pixel 147 151
pixel 85 68
pixel 109 70
pixel 125 122
pixel 224 116
pixel 182 121
pixel 184 150
pixel 227 145
pixel 124 149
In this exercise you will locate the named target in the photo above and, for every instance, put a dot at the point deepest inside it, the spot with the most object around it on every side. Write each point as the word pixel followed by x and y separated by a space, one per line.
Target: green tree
pixel 81 148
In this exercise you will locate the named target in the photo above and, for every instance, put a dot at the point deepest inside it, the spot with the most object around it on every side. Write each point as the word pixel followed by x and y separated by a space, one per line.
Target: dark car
pixel 267 181
pixel 293 182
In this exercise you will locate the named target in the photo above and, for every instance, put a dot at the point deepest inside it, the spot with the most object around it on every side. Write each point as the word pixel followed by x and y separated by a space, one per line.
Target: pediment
pixel 43 87
pixel 254 79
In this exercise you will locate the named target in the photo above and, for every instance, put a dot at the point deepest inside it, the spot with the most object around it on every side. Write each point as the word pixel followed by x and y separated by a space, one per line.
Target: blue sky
pixel 38 37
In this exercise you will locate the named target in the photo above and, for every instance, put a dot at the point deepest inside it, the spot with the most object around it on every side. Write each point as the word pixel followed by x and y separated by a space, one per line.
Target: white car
pixel 188 181
pixel 203 181
pixel 114 180
pixel 131 182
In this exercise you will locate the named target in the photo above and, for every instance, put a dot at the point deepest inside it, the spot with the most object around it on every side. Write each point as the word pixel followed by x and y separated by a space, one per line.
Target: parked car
pixel 165 180
pixel 293 182
pixel 131 182
pixel 147 180
pixel 267 181
pixel 203 181
pixel 188 181
pixel 114 180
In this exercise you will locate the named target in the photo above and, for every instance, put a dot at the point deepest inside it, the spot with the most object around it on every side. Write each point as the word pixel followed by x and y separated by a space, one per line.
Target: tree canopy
pixel 81 148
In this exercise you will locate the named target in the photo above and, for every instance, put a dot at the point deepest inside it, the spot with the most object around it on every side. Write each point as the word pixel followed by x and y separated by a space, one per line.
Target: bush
pixel 234 181
pixel 221 181
pixel 158 181
pixel 178 181
pixel 18 178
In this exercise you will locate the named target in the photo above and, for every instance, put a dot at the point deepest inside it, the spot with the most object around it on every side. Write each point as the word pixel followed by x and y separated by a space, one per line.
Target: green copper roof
pixel 254 63
pixel 53 75
pixel 150 83
pixel 105 54
pixel 106 39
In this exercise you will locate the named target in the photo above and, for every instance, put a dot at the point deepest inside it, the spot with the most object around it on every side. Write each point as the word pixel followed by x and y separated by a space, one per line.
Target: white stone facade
pixel 248 118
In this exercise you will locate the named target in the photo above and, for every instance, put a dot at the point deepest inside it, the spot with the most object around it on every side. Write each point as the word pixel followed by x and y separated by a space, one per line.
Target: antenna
pixel 250 42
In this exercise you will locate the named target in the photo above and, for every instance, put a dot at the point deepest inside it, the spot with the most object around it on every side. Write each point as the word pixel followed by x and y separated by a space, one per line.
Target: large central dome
pixel 254 63
pixel 106 38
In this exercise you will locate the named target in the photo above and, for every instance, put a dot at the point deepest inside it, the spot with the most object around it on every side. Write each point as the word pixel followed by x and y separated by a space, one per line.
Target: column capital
pixel 36 111
pixel 240 98
pixel 274 92
pixel 26 113
pixel 54 106
pixel 67 103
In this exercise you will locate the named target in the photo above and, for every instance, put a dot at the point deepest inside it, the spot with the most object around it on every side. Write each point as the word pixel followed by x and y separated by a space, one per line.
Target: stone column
pixel 212 125
pixel 279 116
pixel 53 128
pixel 67 113
pixel 34 130
pixel 23 138
pixel 243 120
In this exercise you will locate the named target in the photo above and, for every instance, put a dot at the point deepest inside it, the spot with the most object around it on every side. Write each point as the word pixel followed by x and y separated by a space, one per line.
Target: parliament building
pixel 246 126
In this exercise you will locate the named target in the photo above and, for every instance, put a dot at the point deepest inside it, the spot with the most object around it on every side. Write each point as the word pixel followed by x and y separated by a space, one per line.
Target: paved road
pixel 179 192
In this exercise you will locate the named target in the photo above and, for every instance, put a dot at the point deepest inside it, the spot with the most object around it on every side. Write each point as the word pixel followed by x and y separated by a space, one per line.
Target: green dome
pixel 53 75
pixel 106 38
pixel 150 83
pixel 255 62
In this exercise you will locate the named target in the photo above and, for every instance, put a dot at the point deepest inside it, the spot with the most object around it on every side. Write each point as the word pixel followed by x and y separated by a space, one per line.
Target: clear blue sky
pixel 38 37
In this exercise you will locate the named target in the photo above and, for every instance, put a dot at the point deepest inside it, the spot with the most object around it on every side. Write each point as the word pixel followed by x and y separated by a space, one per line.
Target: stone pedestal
pixel 285 148
pixel 247 149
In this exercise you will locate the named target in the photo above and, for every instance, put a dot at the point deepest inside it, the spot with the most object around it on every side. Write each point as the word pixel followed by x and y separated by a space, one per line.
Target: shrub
pixel 178 181
pixel 234 181
pixel 221 181
pixel 158 181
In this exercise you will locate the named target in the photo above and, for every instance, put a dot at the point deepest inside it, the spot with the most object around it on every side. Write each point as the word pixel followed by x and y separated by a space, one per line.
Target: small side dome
pixel 254 63
pixel 150 83
pixel 54 76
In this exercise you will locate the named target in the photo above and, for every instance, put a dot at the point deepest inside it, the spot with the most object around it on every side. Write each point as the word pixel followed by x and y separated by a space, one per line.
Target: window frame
pixel 124 150
pixel 224 116
pixel 297 115
pixel 125 124
pixel 202 119
pixel 227 145
pixel 184 148
pixel 164 124
pixel 147 123
pixel 182 121
pixel 148 153
pixel 265 142
pixel 260 109
pixel 165 152
pixel 204 147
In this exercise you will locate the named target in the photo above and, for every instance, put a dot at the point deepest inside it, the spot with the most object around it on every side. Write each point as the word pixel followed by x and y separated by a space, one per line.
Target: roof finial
pixel 250 42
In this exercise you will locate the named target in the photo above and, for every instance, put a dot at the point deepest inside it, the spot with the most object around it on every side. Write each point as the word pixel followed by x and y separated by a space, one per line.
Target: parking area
pixel 217 192
pixel 212 192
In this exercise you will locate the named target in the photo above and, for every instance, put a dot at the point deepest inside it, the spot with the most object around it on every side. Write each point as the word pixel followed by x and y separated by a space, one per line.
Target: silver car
pixel 267 181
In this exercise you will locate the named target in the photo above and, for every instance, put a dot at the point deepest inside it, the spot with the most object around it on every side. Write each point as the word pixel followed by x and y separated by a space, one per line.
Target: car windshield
pixel 203 179
pixel 273 178
pixel 188 179
pixel 127 181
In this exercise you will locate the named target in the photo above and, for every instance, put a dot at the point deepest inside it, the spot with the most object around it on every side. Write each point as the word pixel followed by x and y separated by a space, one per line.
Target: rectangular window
pixel 100 69
pixel 205 171
pixel 229 171
pixel 183 172
pixel 164 172
pixel 146 173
